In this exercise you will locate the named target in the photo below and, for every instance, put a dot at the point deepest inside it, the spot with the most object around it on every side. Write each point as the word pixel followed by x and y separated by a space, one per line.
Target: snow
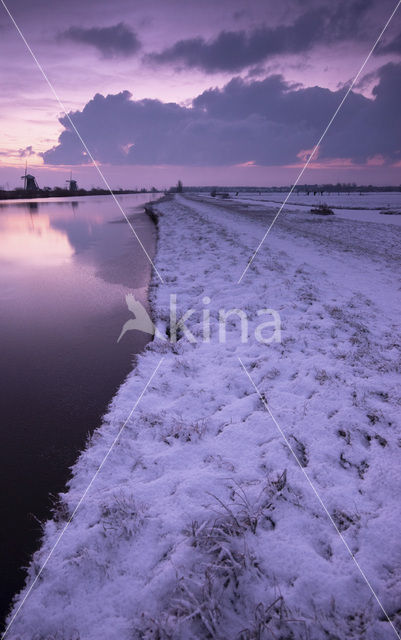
pixel 201 523
pixel 366 207
pixel 375 200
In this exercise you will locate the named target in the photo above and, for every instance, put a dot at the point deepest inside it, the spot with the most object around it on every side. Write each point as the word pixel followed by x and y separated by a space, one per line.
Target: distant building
pixel 30 183
pixel 72 185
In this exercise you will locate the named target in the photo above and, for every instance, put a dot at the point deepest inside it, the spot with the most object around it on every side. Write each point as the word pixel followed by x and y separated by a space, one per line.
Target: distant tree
pixel 179 186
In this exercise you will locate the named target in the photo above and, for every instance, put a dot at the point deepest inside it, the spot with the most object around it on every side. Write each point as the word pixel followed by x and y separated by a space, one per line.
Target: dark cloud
pixel 268 122
pixel 19 153
pixel 112 42
pixel 345 20
pixel 375 127
pixel 394 46
pixel 25 153
pixel 241 13
pixel 236 50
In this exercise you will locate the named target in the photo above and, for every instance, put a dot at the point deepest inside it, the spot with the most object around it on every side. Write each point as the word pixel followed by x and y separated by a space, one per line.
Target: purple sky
pixel 227 92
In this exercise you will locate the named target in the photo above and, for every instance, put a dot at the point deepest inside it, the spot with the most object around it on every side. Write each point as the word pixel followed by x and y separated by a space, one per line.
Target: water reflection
pixel 65 271
pixel 53 231
pixel 32 241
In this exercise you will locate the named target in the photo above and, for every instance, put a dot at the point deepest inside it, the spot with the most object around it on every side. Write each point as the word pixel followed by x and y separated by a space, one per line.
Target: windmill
pixel 24 176
pixel 72 184
pixel 30 183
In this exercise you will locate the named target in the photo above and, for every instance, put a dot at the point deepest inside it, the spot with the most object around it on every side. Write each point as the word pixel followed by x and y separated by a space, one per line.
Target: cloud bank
pixel 266 122
pixel 116 41
pixel 233 51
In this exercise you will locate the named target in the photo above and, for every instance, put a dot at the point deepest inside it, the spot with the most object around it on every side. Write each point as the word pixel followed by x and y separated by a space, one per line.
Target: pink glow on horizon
pixel 305 154
pixel 250 163
pixel 329 163
pixel 376 161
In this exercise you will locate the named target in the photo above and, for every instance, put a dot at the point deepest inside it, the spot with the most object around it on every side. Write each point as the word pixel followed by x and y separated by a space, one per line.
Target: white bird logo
pixel 142 321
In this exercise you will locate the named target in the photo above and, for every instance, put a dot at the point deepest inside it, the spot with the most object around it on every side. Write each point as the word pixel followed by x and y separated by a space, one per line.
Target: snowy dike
pixel 253 491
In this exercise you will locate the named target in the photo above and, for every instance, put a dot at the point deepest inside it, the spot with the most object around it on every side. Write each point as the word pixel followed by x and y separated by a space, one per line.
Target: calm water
pixel 66 266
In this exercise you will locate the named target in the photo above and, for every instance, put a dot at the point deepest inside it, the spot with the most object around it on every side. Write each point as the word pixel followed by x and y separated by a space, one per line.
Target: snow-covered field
pixel 375 200
pixel 204 521
pixel 366 207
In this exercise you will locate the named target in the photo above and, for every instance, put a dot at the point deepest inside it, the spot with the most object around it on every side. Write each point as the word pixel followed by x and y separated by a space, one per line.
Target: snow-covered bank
pixel 201 524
